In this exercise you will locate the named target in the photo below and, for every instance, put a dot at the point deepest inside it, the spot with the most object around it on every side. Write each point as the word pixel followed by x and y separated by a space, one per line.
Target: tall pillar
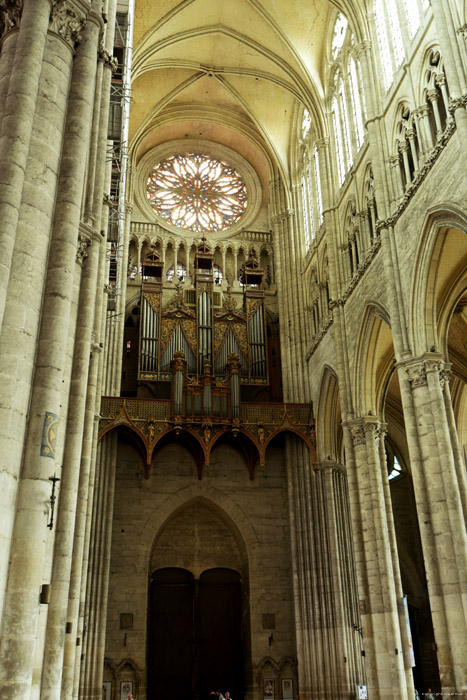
pixel 439 487
pixel 379 577
pixel 17 123
pixel 22 313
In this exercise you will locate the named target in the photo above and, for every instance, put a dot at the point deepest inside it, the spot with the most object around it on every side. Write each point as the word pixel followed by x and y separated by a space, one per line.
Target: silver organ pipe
pixel 204 330
pixel 257 344
pixel 178 342
pixel 230 346
pixel 149 338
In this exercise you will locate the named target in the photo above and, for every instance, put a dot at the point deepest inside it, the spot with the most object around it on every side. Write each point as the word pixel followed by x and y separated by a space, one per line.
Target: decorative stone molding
pixel 108 200
pixel 320 336
pixel 82 251
pixel 418 369
pixel 106 57
pixel 457 103
pixel 66 22
pixel 363 48
pixel 463 30
pixel 10 13
pixel 357 433
pixel 423 172
pixel 328 465
pixel 417 375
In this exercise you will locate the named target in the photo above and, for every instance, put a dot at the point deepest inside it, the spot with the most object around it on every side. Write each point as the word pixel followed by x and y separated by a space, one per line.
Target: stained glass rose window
pixel 197 192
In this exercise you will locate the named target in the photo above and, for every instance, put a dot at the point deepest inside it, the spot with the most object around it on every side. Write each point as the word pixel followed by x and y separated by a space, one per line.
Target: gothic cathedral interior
pixel 233 349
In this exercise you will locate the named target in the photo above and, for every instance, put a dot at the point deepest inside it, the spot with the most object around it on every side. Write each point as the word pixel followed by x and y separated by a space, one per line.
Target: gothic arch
pixel 328 415
pixel 373 361
pixel 432 288
pixel 226 509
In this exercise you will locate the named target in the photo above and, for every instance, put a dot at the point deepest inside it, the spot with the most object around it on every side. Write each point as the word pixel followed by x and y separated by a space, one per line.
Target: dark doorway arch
pixel 195 634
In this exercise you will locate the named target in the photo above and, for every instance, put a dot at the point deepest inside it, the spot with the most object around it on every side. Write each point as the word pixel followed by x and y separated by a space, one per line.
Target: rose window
pixel 197 193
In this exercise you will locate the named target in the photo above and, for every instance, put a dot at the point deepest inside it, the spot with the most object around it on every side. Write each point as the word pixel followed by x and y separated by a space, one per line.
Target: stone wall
pixel 224 520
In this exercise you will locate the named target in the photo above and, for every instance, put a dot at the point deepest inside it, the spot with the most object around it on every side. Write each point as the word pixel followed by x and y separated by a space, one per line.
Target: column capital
pixel 10 15
pixel 323 143
pixel 363 48
pixel 366 425
pixel 67 19
pixel 433 95
pixel 330 466
pixel 418 368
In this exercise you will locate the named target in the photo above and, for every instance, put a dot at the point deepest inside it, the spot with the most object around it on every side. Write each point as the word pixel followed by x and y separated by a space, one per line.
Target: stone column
pixel 404 149
pixel 433 96
pixel 440 500
pixel 17 123
pixel 377 566
pixel 18 342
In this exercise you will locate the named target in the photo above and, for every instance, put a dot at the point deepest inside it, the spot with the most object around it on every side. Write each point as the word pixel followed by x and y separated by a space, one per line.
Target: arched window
pixel 357 107
pixel 310 185
pixel 318 184
pixel 437 95
pixel 346 98
pixel 336 122
pixel 389 36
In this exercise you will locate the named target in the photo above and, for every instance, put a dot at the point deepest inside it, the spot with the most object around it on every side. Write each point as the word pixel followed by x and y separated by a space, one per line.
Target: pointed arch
pixel 328 415
pixel 437 277
pixel 374 360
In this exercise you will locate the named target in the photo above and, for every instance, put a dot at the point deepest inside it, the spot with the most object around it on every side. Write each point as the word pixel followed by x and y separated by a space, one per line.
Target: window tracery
pixel 310 199
pixel 346 100
pixel 436 95
pixel 197 192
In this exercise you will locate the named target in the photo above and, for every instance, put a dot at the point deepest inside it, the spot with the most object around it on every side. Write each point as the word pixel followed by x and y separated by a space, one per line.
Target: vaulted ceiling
pixel 233 72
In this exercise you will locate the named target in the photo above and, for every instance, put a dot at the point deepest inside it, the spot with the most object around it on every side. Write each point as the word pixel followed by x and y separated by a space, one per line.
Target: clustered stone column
pixel 441 498
pixel 52 310
pixel 329 639
pixel 377 562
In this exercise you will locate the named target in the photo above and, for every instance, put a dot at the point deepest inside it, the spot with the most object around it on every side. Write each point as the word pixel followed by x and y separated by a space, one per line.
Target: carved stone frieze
pixel 10 14
pixel 66 21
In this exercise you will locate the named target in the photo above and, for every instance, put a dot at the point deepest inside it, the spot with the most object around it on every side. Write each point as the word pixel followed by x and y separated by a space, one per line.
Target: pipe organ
pixel 194 324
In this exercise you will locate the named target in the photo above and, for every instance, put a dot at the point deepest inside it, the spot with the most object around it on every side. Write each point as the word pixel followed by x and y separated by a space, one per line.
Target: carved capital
pixel 363 48
pixel 433 95
pixel 10 15
pixel 66 21
pixel 417 375
pixel 357 433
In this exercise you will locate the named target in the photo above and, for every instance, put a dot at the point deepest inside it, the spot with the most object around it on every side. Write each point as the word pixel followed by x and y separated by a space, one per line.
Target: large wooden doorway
pixel 195 634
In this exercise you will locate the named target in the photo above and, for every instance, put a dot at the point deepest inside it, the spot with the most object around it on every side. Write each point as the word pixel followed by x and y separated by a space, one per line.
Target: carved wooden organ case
pixel 206 325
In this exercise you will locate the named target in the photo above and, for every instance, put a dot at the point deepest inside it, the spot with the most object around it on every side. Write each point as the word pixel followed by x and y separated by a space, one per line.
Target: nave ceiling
pixel 233 72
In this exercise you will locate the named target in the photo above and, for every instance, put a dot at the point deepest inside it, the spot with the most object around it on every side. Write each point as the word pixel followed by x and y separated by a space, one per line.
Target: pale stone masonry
pixel 347 123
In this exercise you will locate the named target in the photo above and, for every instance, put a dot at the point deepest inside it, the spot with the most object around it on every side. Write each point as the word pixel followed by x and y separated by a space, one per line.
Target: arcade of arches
pixel 233 342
